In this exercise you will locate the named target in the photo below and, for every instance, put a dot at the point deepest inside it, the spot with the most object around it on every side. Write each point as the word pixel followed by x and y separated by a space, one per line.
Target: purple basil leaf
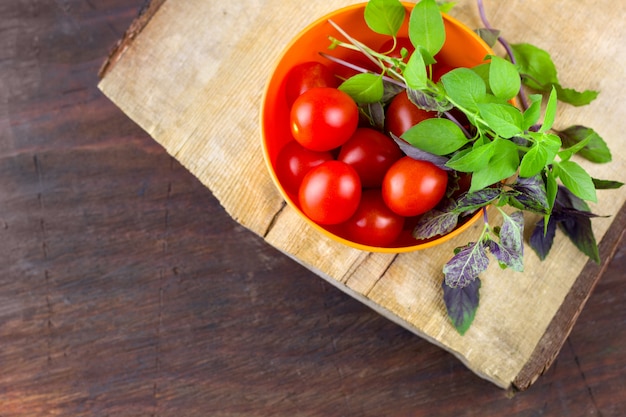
pixel 566 199
pixel 541 242
pixel 390 90
pixel 375 113
pixel 530 195
pixel 571 212
pixel 512 233
pixel 510 251
pixel 435 222
pixel 578 229
pixel 415 153
pixel 427 102
pixel 477 199
pixel 461 304
pixel 466 265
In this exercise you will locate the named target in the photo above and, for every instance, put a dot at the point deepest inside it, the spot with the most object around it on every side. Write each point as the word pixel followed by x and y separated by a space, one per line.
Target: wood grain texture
pixel 127 290
pixel 182 100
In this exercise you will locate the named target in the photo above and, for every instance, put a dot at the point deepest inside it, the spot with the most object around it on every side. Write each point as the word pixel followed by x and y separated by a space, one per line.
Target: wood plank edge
pixel 563 322
pixel 147 10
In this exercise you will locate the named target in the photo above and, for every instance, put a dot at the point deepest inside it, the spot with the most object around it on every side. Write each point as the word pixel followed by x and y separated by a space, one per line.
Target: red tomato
pixel 413 187
pixel 440 69
pixel 371 153
pixel 308 75
pixel 323 118
pixel 374 223
pixel 330 193
pixel 294 161
pixel 402 114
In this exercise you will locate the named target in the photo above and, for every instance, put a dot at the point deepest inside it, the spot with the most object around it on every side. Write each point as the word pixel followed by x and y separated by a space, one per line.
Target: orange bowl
pixel 462 48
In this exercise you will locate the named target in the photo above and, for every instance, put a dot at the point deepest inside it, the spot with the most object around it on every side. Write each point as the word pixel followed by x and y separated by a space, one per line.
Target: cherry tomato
pixel 323 118
pixel 294 161
pixel 402 114
pixel 440 69
pixel 413 187
pixel 305 76
pixel 330 193
pixel 373 223
pixel 371 153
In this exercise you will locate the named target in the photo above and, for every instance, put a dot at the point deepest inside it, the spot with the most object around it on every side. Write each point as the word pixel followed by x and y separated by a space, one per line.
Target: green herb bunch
pixel 513 154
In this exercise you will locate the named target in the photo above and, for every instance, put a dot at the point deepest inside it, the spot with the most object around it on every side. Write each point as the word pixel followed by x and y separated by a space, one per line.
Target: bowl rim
pixel 266 156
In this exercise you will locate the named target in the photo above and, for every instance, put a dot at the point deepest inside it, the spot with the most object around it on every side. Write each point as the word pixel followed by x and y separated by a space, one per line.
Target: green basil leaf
pixel 596 149
pixel 482 70
pixel 504 80
pixel 426 27
pixel 437 135
pixel 536 64
pixel 502 164
pixel 575 98
pixel 446 6
pixel 533 112
pixel 539 72
pixel 364 88
pixel 533 161
pixel 577 180
pixel 384 16
pixel 550 113
pixel 567 153
pixel 505 119
pixel 415 73
pixel 465 88
pixel 548 141
pixel 475 159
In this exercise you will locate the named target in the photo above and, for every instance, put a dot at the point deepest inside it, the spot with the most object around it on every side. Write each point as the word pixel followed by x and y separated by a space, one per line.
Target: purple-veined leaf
pixel 477 199
pixel 531 195
pixel 512 235
pixel 375 113
pixel 466 265
pixel 427 102
pixel 461 304
pixel 510 251
pixel 436 222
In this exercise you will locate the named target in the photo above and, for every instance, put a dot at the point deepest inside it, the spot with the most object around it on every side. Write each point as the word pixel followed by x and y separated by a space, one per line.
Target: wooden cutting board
pixel 192 73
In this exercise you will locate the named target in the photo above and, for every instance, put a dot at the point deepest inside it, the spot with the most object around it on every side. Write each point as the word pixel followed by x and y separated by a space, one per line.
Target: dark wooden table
pixel 126 290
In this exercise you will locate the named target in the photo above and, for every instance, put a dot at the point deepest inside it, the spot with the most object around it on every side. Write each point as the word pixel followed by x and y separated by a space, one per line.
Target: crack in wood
pixel 382 274
pixel 274 219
